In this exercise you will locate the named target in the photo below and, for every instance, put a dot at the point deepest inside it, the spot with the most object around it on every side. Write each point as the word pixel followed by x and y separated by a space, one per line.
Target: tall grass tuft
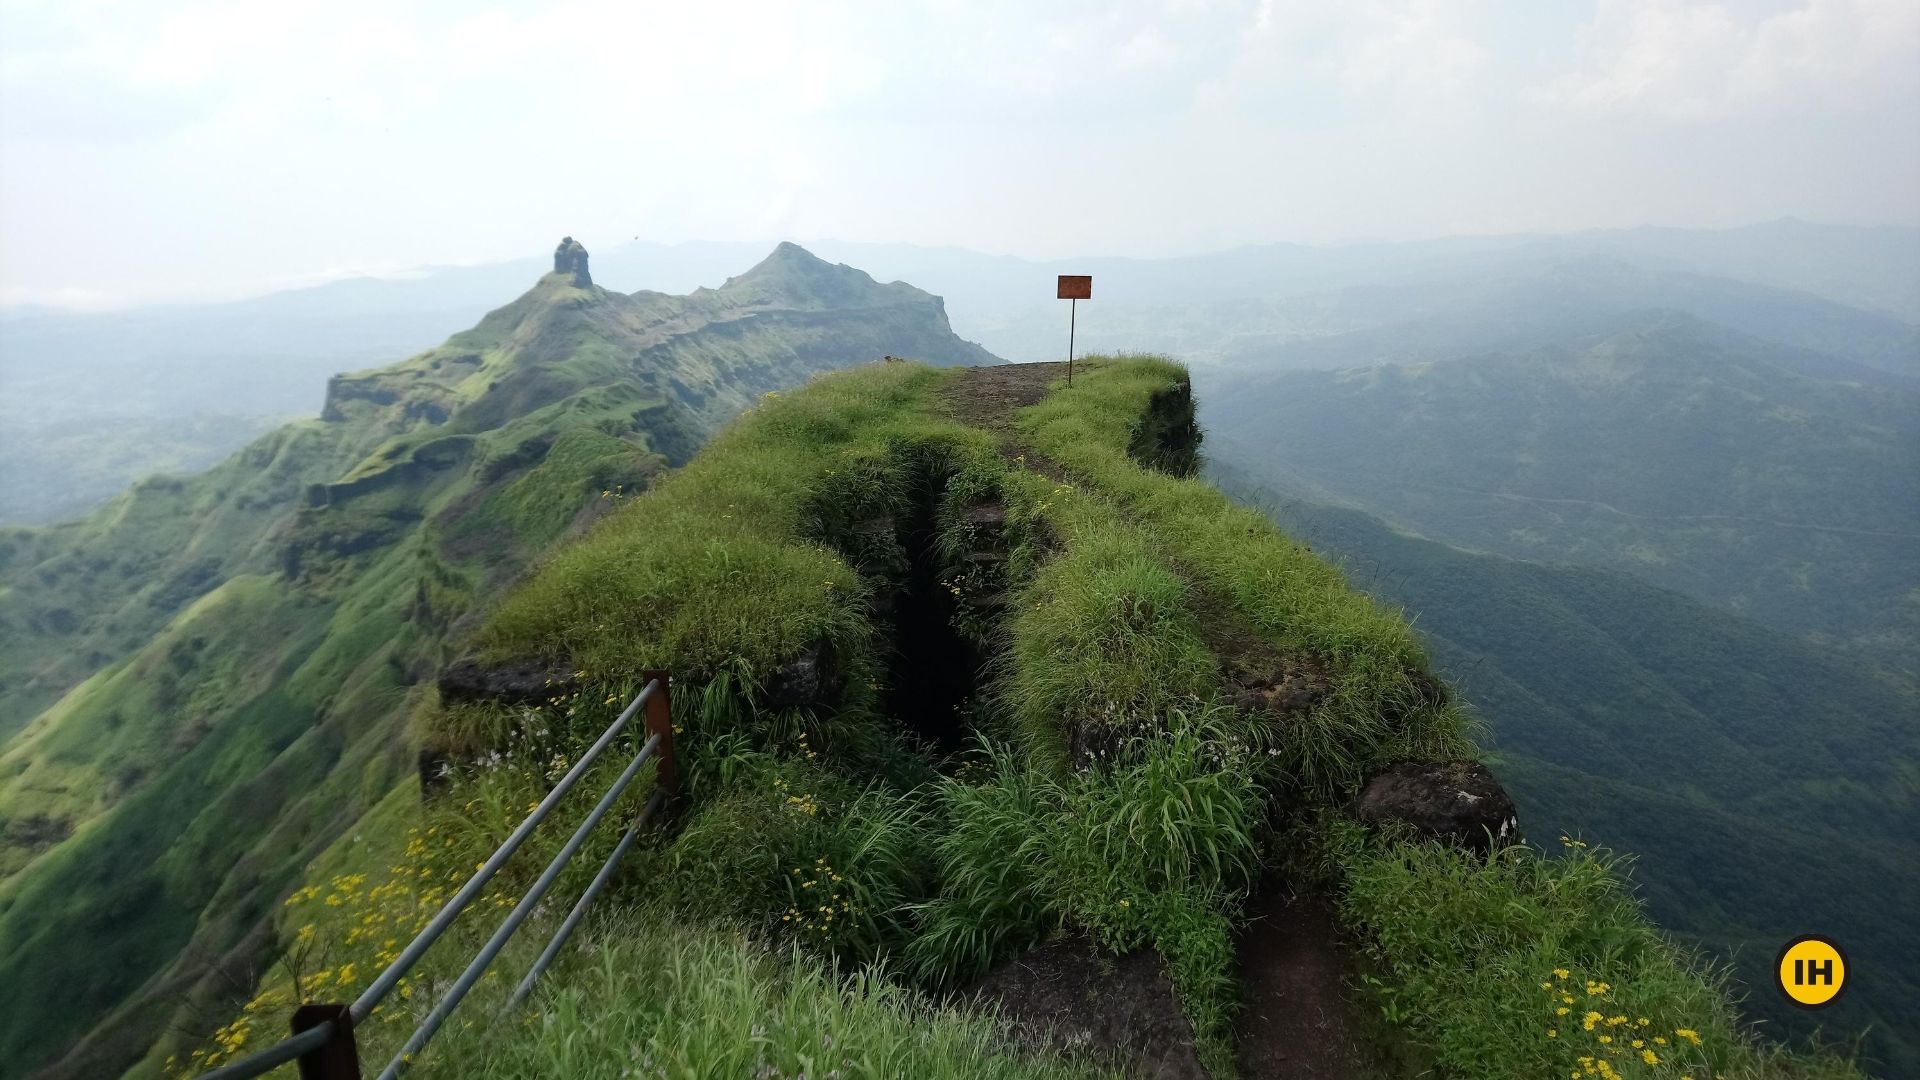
pixel 644 997
pixel 1517 964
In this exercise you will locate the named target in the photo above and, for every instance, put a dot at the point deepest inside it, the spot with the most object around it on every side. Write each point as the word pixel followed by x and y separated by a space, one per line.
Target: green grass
pixel 1712 748
pixel 1290 597
pixel 1109 789
pixel 639 1002
pixel 1104 642
pixel 739 561
pixel 720 563
pixel 1477 956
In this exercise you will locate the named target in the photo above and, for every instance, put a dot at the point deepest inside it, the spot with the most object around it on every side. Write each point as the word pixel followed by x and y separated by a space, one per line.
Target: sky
pixel 166 151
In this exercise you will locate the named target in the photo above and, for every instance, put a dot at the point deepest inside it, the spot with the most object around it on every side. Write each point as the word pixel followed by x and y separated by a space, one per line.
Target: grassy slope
pixel 256 630
pixel 84 594
pixel 818 828
pixel 1715 749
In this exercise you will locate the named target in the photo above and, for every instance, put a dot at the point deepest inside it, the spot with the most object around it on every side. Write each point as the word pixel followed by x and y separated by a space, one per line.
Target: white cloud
pixel 1147 48
pixel 1420 58
pixel 1420 49
pixel 1687 60
pixel 185 146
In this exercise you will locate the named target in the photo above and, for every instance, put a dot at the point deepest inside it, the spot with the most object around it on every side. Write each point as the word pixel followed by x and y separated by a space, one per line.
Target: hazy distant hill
pixel 1854 291
pixel 188 380
pixel 1734 761
pixel 1554 302
pixel 1712 463
pixel 243 645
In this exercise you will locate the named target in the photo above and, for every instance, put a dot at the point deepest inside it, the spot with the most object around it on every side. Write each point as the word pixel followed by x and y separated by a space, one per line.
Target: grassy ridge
pixel 1109 786
pixel 721 564
pixel 1445 980
pixel 1291 598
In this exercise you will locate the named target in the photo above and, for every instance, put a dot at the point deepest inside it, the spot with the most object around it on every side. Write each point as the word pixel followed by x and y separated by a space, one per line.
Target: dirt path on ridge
pixel 1298 1020
pixel 987 396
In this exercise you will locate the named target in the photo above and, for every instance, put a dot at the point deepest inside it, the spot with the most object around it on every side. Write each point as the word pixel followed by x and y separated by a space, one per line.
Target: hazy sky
pixel 170 150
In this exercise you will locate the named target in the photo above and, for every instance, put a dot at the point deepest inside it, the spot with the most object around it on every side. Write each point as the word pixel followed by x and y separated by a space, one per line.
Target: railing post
pixel 337 1058
pixel 660 722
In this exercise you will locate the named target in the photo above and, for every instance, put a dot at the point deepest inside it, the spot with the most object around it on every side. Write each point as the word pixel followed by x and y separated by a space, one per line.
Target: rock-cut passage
pixel 934 670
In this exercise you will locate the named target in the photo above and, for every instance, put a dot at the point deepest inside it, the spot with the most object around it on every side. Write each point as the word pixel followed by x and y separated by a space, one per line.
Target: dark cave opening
pixel 933 669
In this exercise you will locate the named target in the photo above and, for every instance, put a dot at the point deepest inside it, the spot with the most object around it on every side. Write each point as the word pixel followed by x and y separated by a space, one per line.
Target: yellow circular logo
pixel 1811 971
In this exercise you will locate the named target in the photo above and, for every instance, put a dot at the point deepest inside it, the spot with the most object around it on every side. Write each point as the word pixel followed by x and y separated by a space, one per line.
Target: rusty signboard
pixel 1074 287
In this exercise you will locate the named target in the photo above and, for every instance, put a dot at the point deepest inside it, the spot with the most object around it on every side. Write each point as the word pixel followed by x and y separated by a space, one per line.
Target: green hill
pixel 1736 762
pixel 205 681
pixel 1757 477
pixel 970 672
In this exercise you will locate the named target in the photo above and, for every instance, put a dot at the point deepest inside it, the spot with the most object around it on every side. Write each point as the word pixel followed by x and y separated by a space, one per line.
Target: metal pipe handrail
pixel 384 984
pixel 316 1038
pixel 580 906
pixel 484 958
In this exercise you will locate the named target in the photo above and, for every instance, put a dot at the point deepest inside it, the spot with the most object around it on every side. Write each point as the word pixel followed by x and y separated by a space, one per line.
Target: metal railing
pixel 323 1039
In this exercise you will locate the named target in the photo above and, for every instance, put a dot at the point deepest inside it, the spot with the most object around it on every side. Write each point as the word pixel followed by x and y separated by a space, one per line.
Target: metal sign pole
pixel 1073 288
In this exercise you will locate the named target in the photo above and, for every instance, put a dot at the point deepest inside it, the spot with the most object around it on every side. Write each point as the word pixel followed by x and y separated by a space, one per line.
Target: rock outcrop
pixel 571 258
pixel 525 682
pixel 1455 801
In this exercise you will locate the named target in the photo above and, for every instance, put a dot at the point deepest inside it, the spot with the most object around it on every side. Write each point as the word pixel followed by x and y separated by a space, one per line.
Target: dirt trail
pixel 987 396
pixel 1298 1020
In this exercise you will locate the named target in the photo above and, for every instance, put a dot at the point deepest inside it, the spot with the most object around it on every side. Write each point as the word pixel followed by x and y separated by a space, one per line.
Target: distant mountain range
pixel 1760 477
pixel 244 645
pixel 176 388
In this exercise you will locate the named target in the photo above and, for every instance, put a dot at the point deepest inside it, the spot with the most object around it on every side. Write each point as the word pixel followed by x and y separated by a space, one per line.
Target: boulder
pixel 810 678
pixel 517 682
pixel 1283 688
pixel 1458 802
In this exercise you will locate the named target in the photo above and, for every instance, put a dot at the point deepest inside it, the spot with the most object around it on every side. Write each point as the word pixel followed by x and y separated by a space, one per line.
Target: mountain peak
pixel 793 277
pixel 571 258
